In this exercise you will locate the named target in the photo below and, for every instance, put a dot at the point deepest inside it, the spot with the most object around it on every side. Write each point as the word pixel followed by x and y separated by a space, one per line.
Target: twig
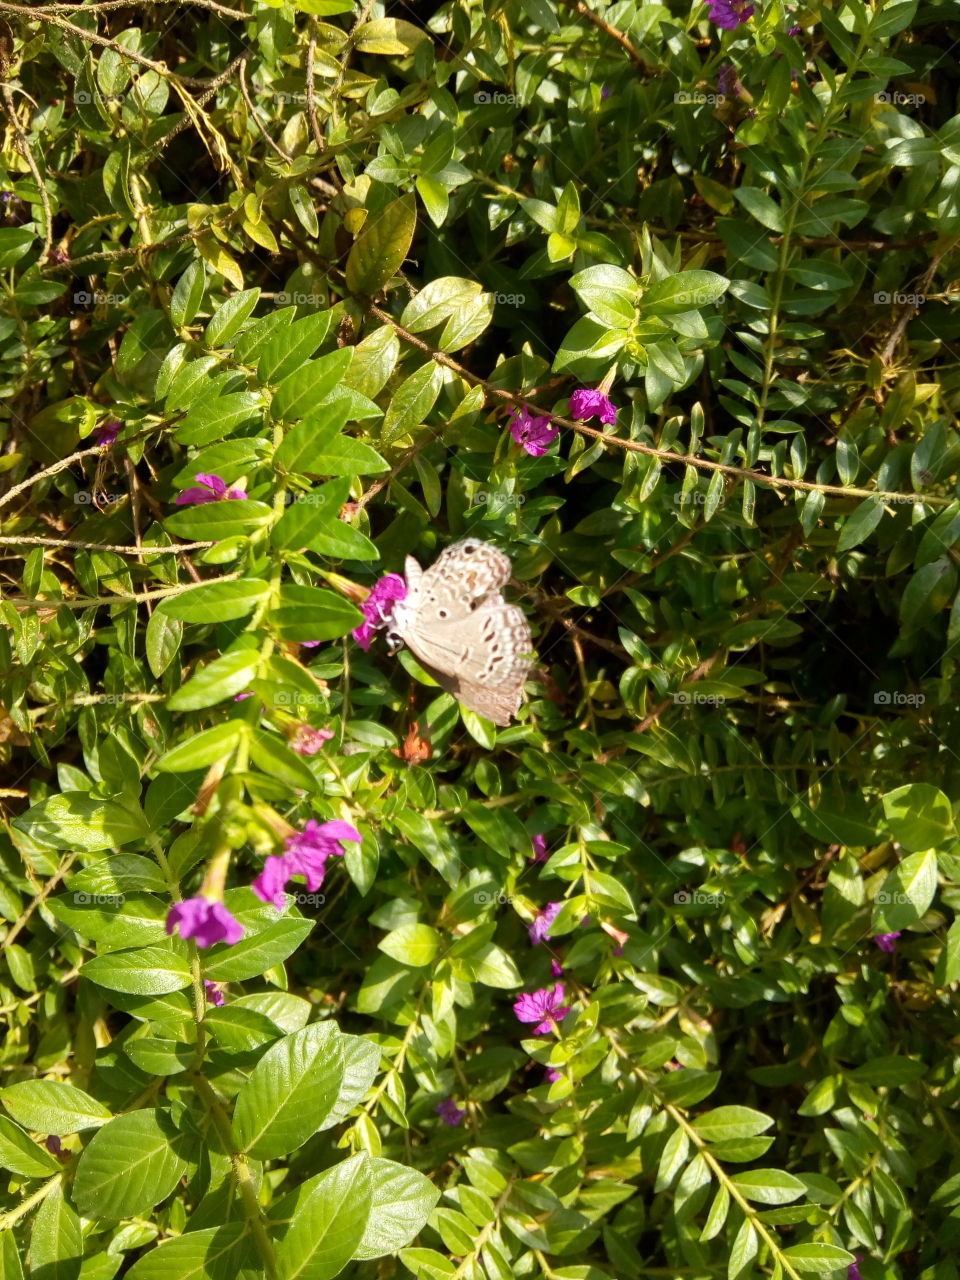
pixel 120 548
pixel 41 185
pixel 613 33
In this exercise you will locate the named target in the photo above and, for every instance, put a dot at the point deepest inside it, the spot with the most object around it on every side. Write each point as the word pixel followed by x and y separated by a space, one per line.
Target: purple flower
pixel 729 14
pixel 305 854
pixel 592 404
pixel 540 929
pixel 605 92
pixel 449 1112
pixel 556 969
pixel 535 434
pixel 105 434
pixel 795 31
pixel 378 607
pixel 205 920
pixel 853 1271
pixel 214 992
pixel 542 1007
pixel 53 1144
pixel 215 490
pixel 307 741
pixel 887 941
pixel 540 853
pixel 310 644
pixel 269 884
pixel 242 697
pixel 552 1075
pixel 726 80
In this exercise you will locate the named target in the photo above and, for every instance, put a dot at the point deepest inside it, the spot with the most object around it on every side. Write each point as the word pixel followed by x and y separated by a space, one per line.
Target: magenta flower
pixel 604 92
pixel 540 853
pixel 378 607
pixel 449 1112
pixel 307 741
pixel 535 434
pixel 552 1075
pixel 214 992
pixel 270 883
pixel 794 31
pixel 214 490
pixel 887 941
pixel 540 929
pixel 542 1007
pixel 310 644
pixel 205 920
pixel 105 434
pixel 853 1271
pixel 592 404
pixel 242 697
pixel 556 969
pixel 673 1065
pixel 305 854
pixel 729 14
pixel 53 1144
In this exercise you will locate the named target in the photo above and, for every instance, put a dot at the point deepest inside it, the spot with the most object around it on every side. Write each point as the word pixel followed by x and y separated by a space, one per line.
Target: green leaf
pixel 128 1166
pixel 330 1224
pixel 125 919
pixel 386 237
pixel 255 953
pixel 413 944
pixel 402 1200
pixel 891 1071
pixel 20 1154
pixel 907 893
pixel 214 1253
pixel 143 971
pixel 214 417
pixel 610 293
pixel 76 820
pixel 388 36
pixel 291 346
pixel 226 676
pixel 215 601
pixel 760 206
pixel 919 816
pixel 686 291
pixel 300 391
pixel 271 754
pixel 312 613
pixel 819 1258
pixel 316 447
pixel 309 513
pixel 768 1186
pixel 188 294
pixel 212 521
pixel 53 1106
pixel 412 401
pixel 290 1093
pixel 204 748
pixel 858 526
pixel 162 641
pixel 56 1247
pixel 731 1122
pixel 228 318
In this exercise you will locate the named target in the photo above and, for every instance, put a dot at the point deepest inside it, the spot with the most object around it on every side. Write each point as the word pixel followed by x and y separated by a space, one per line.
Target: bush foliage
pixel 322 254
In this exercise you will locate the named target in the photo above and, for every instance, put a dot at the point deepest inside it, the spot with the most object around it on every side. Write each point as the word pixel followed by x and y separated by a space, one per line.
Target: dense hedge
pixel 657 980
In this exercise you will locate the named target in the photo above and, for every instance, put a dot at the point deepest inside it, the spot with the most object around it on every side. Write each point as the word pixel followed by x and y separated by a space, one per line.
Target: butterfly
pixel 459 627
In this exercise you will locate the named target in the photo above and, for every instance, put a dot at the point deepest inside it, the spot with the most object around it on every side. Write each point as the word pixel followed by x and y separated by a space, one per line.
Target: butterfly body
pixel 459 627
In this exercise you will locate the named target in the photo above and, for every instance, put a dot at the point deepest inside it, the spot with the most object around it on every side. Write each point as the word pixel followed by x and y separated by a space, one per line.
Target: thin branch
pixel 613 33
pixel 28 156
pixel 120 548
